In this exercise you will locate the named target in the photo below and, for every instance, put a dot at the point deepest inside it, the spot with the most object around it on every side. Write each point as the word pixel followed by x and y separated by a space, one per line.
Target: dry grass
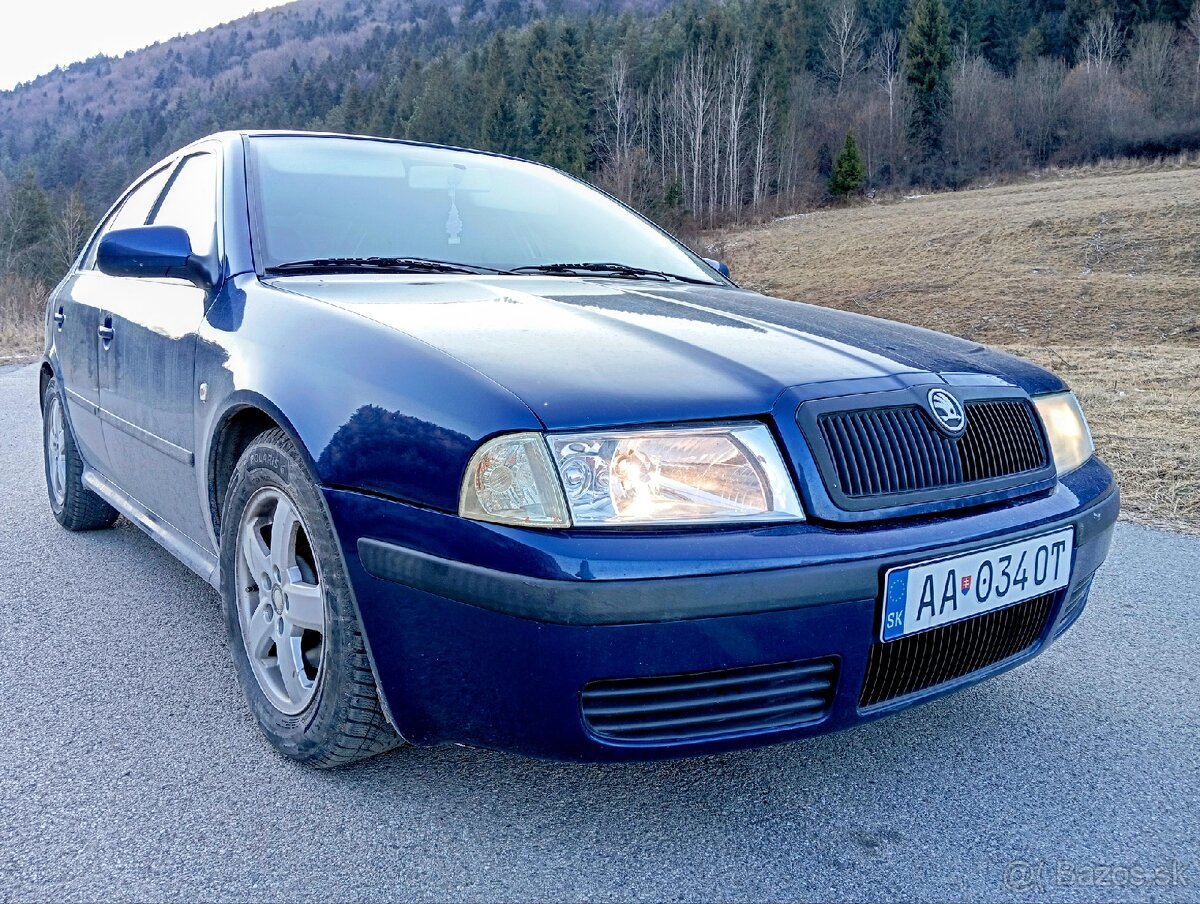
pixel 1095 275
pixel 22 307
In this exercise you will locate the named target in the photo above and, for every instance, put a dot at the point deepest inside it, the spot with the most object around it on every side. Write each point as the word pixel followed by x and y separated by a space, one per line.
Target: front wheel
pixel 293 628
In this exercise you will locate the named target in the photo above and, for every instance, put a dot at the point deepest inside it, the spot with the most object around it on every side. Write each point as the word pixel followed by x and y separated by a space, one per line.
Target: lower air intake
pixel 922 661
pixel 674 708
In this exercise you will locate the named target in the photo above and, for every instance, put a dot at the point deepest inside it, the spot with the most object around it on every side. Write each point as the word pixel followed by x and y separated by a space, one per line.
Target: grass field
pixel 1093 274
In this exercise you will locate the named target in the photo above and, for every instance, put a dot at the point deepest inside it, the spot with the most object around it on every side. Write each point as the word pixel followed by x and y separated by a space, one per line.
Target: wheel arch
pixel 246 416
pixel 47 374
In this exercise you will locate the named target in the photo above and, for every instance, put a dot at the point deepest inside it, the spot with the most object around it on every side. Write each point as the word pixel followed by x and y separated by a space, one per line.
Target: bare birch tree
pixel 842 45
pixel 735 77
pixel 981 124
pixel 764 124
pixel 694 95
pixel 1192 24
pixel 1038 92
pixel 1102 44
pixel 886 63
pixel 619 138
pixel 69 231
pixel 1152 64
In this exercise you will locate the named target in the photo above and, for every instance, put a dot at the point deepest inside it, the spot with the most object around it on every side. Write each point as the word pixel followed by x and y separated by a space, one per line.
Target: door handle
pixel 105 331
pixel 59 318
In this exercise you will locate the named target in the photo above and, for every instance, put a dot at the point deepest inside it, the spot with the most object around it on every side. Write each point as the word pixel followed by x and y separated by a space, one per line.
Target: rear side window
pixel 134 211
pixel 191 202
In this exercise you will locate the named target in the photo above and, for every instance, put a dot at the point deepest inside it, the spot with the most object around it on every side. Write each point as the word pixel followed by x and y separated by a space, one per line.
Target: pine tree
pixel 25 232
pixel 499 127
pixel 927 58
pixel 560 137
pixel 966 26
pixel 848 174
pixel 436 111
pixel 1002 35
pixel 673 196
pixel 353 108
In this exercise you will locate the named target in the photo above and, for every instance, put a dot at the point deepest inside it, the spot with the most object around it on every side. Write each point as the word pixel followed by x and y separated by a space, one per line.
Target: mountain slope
pixel 98 122
pixel 178 88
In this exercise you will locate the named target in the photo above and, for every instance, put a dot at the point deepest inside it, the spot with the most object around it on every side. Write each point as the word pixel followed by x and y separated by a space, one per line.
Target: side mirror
pixel 151 251
pixel 720 267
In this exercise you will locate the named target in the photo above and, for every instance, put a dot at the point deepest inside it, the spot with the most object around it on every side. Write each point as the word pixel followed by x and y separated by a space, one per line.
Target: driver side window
pixel 191 202
pixel 134 211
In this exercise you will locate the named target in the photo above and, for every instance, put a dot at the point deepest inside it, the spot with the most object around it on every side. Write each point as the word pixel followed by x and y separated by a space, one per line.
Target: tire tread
pixel 359 728
pixel 82 509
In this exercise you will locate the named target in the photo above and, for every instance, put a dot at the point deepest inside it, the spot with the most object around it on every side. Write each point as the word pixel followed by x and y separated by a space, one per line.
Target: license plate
pixel 935 593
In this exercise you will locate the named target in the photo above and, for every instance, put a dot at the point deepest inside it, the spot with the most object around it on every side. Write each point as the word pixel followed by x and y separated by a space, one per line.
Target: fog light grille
pixel 1073 607
pixel 670 708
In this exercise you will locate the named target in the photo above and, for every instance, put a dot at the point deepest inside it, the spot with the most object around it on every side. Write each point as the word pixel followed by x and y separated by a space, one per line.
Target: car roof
pixel 230 138
pixel 235 136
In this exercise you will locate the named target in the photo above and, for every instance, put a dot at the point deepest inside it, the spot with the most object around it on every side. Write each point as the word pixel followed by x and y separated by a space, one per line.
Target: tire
pixel 298 648
pixel 75 507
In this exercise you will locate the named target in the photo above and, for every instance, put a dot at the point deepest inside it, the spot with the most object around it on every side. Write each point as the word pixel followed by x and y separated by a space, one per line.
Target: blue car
pixel 475 454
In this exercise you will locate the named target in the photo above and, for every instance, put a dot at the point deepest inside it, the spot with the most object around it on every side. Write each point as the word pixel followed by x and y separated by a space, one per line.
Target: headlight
pixel 720 474
pixel 1067 428
pixel 723 473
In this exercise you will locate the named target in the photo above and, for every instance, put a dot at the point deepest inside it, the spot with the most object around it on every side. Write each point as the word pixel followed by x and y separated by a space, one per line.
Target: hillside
pixel 1095 275
pixel 172 90
pixel 696 110
pixel 95 124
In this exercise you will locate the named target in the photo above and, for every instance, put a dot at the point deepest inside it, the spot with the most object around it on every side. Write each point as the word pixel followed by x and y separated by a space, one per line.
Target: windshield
pixel 328 199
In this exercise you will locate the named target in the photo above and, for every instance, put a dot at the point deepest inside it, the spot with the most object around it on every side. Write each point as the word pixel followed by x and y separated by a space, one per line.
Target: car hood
pixel 587 352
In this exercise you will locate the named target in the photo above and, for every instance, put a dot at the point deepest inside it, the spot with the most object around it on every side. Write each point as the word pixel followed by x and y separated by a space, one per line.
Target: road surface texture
pixel 130 769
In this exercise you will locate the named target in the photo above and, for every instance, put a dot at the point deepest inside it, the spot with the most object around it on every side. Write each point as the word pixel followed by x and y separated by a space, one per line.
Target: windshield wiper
pixel 622 271
pixel 384 264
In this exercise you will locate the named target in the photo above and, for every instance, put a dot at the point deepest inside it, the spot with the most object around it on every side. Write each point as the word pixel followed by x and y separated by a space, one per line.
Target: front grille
pixel 669 708
pixel 922 661
pixel 889 451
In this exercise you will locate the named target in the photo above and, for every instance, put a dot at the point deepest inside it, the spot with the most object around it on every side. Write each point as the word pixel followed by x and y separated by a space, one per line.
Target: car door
pixel 147 362
pixel 77 318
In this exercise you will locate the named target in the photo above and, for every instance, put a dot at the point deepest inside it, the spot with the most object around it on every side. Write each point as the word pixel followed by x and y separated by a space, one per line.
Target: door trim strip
pixel 153 440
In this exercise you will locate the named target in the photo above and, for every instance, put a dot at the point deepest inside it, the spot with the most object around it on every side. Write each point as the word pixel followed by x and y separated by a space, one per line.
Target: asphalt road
pixel 130 769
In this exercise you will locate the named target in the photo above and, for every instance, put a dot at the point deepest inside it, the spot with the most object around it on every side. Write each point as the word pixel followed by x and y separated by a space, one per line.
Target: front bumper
pixel 486 635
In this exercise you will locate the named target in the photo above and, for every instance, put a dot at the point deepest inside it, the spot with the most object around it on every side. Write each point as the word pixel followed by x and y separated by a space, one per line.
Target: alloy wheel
pixel 56 452
pixel 281 602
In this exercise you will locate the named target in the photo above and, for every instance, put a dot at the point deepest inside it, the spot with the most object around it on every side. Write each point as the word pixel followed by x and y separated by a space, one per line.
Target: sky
pixel 41 34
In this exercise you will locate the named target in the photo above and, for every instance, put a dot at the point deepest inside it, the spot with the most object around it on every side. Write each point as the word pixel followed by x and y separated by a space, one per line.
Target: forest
pixel 698 113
